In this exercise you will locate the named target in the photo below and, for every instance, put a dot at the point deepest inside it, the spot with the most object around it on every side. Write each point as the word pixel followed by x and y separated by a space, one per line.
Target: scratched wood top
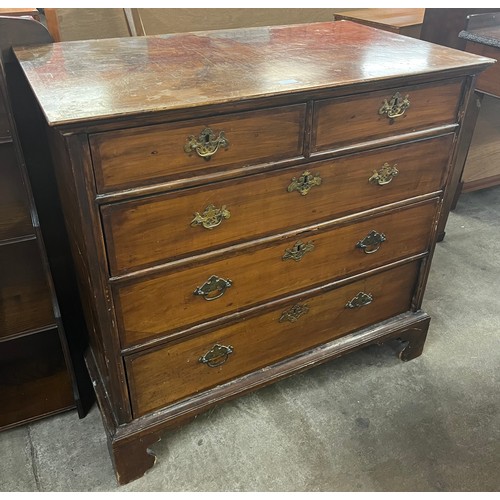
pixel 97 79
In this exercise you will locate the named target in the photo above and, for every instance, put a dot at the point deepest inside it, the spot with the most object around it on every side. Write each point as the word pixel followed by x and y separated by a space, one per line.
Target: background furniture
pixel 84 24
pixel 229 233
pixel 442 26
pixel 482 169
pixel 403 21
pixel 17 12
pixel 37 366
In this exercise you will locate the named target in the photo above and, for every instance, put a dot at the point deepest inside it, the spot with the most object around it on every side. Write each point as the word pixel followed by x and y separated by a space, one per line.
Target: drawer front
pixel 174 372
pixel 15 218
pixel 25 300
pixel 147 155
pixel 341 121
pixel 151 307
pixel 163 228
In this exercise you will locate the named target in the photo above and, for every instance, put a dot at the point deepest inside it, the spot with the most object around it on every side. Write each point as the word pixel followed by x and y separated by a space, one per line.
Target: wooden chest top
pixel 113 78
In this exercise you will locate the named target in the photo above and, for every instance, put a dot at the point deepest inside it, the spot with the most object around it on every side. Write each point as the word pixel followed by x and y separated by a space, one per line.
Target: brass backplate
pixel 298 251
pixel 211 217
pixel 207 143
pixel 395 107
pixel 294 313
pixel 304 183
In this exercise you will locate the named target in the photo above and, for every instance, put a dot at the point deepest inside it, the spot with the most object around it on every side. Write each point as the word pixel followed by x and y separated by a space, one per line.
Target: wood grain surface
pixel 26 301
pixel 384 18
pixel 166 375
pixel 158 229
pixel 145 155
pixel 156 305
pixel 341 121
pixel 489 80
pixel 482 167
pixel 15 219
pixel 98 79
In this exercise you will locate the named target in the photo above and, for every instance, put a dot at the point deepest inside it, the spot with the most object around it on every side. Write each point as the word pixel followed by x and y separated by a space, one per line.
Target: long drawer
pixel 146 155
pixel 175 371
pixel 346 120
pixel 213 288
pixel 161 228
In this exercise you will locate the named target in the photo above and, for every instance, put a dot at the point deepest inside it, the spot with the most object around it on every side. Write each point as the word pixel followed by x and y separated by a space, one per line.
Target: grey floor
pixel 365 422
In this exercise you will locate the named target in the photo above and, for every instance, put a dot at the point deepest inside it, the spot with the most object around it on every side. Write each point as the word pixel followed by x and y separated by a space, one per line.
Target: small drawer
pixel 15 217
pixel 177 299
pixel 361 118
pixel 166 227
pixel 148 155
pixel 25 298
pixel 168 374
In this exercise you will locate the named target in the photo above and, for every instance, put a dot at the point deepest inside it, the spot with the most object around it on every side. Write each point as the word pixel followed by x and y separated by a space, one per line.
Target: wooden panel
pixel 169 374
pixel 34 380
pixel 489 80
pixel 482 168
pixel 25 301
pixel 165 303
pixel 395 20
pixel 157 229
pixel 338 122
pixel 183 71
pixel 15 217
pixel 146 155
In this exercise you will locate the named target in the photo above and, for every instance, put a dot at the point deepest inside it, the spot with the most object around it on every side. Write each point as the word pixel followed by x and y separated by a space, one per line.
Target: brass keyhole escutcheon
pixel 298 251
pixel 360 300
pixel 207 143
pixel 304 183
pixel 294 313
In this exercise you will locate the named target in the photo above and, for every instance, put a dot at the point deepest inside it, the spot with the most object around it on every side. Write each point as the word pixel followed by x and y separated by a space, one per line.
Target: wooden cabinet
pixel 249 204
pixel 482 169
pixel 404 21
pixel 41 324
pixel 35 380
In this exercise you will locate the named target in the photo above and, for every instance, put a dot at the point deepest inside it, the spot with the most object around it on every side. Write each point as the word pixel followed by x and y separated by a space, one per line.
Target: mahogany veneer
pixel 242 206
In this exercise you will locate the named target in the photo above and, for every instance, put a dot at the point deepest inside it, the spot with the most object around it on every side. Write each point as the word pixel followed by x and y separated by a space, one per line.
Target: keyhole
pixel 207 138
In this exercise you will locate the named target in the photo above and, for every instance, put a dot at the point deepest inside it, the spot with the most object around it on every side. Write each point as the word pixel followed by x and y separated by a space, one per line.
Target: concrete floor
pixel 365 422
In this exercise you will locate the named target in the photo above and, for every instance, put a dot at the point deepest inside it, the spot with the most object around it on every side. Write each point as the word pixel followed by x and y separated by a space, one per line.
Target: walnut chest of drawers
pixel 245 204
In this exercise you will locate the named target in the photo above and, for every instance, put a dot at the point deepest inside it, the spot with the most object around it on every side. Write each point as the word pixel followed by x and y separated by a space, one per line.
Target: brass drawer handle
pixel 384 174
pixel 304 183
pixel 298 251
pixel 211 217
pixel 207 143
pixel 294 313
pixel 371 242
pixel 213 284
pixel 396 106
pixel 361 299
pixel 216 356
